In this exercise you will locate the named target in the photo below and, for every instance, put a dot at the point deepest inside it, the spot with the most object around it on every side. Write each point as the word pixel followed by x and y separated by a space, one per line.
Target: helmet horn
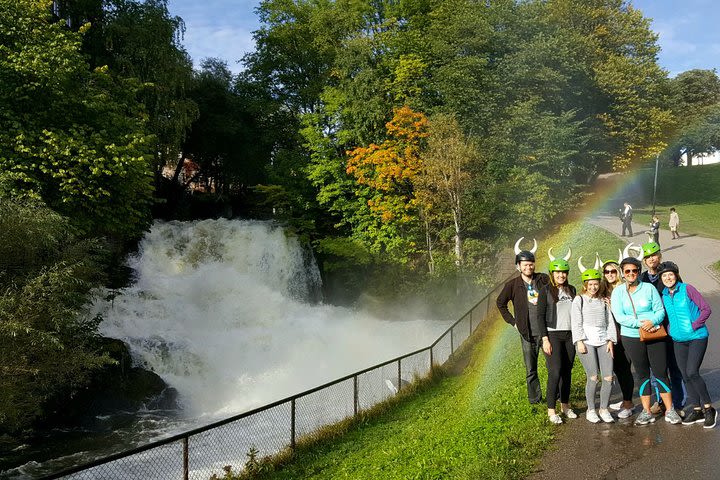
pixel 517 245
pixel 532 250
pixel 569 254
pixel 598 262
pixel 550 255
pixel 580 265
pixel 620 257
pixel 626 250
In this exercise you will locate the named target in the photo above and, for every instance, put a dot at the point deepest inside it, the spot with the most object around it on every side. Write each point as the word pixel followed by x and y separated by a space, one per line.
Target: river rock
pixel 121 387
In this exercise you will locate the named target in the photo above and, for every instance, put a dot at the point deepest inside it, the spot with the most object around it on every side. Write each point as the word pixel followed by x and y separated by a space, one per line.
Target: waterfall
pixel 222 311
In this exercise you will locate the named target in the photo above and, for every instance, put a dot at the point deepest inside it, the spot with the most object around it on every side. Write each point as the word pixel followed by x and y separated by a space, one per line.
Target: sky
pixel 689 30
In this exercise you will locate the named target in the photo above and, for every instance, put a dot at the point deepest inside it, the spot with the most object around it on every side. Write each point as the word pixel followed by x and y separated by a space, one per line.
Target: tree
pixel 228 140
pixel 72 137
pixel 142 41
pixel 387 172
pixel 49 343
pixel 695 103
pixel 442 185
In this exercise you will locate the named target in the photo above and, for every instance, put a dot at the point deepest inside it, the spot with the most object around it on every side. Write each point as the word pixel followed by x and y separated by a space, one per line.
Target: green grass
pixel 695 194
pixel 477 424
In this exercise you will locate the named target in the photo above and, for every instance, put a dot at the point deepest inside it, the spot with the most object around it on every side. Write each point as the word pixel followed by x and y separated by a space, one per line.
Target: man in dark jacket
pixel 522 291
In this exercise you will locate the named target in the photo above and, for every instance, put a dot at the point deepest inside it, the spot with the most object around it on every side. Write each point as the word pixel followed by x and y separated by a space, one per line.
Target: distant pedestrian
pixel 626 217
pixel 554 310
pixel 688 311
pixel 674 223
pixel 654 232
pixel 594 335
pixel 522 291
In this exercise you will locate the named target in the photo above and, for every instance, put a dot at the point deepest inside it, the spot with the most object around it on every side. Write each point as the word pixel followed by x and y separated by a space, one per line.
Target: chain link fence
pixel 268 430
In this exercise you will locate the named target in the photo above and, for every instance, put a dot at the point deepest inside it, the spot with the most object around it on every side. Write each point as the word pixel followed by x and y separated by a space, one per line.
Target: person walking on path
pixel 637 305
pixel 654 232
pixel 522 291
pixel 621 362
pixel 594 335
pixel 688 311
pixel 674 223
pixel 554 306
pixel 626 218
pixel 652 256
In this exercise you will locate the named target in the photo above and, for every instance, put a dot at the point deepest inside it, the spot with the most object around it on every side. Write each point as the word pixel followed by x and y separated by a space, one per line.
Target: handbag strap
pixel 631 302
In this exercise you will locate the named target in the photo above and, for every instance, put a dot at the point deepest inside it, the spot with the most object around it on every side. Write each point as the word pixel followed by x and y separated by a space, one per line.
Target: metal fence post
pixel 292 424
pixel 355 395
pixel 431 357
pixel 186 461
pixel 452 341
pixel 399 374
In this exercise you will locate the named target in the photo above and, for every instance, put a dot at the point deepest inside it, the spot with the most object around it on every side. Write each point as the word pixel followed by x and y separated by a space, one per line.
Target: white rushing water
pixel 220 310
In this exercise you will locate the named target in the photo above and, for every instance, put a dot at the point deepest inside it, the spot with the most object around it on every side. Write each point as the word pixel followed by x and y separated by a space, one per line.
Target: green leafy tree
pixel 443 183
pixel 73 137
pixel 142 41
pixel 49 344
pixel 696 107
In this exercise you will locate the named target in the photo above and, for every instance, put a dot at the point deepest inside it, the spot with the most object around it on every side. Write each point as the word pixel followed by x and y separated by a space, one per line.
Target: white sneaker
pixel 555 419
pixel 606 417
pixel 616 406
pixel 570 413
pixel 625 413
pixel 592 416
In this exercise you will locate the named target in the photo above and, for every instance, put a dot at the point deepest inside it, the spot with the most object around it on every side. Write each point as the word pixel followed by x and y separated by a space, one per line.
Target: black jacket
pixel 547 309
pixel 515 291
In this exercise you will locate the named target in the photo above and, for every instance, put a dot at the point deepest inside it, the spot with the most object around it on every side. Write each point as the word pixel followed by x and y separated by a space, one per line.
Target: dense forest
pixel 404 140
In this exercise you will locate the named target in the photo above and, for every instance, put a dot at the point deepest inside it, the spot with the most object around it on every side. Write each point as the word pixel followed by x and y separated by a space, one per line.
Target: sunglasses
pixel 631 270
pixel 608 272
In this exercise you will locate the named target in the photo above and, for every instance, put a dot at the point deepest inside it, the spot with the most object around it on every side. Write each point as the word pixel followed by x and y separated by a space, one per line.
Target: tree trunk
pixel 428 241
pixel 676 157
pixel 689 157
pixel 458 237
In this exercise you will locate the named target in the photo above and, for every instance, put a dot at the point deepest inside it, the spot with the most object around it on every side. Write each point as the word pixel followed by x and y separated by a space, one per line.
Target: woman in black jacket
pixel 554 307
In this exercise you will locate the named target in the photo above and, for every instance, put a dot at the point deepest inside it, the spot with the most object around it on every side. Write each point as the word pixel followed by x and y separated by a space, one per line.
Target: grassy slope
pixel 475 425
pixel 695 193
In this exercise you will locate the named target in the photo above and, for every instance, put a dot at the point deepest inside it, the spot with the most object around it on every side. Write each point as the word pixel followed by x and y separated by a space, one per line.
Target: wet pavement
pixel 660 450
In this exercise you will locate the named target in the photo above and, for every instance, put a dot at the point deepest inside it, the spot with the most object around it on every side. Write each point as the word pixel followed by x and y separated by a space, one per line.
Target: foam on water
pixel 220 310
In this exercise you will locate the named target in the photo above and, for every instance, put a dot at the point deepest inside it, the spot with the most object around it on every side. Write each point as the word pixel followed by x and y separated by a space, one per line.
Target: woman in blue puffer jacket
pixel 687 313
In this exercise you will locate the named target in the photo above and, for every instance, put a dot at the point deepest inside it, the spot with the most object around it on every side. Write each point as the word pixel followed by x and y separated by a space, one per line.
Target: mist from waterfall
pixel 221 310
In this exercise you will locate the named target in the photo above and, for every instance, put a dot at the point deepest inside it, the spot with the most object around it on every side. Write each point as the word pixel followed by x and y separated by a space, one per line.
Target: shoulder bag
pixel 658 334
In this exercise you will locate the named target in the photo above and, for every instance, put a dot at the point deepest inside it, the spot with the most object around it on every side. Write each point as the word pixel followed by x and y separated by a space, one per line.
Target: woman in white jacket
pixel 594 336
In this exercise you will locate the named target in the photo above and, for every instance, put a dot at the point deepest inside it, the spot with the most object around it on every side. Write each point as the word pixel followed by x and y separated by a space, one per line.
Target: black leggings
pixel 689 356
pixel 559 366
pixel 621 367
pixel 644 356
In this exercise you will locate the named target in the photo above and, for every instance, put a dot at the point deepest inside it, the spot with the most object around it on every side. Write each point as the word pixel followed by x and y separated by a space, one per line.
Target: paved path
pixel 659 451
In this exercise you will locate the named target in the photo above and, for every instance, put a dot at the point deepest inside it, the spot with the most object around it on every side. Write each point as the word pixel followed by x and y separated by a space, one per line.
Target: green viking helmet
pixel 591 274
pixel 559 265
pixel 650 249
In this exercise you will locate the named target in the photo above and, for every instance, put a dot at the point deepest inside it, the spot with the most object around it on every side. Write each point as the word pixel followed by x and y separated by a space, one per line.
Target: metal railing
pixel 268 430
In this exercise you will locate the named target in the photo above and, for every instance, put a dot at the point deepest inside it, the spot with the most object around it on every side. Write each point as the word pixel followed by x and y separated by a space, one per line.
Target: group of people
pixel 626 215
pixel 622 321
